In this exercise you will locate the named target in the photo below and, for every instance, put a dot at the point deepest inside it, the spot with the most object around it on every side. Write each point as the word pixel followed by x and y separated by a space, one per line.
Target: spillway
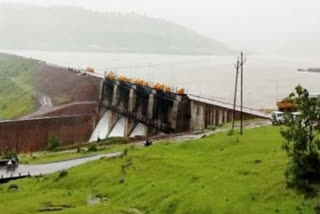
pixel 140 130
pixel 102 128
pixel 118 129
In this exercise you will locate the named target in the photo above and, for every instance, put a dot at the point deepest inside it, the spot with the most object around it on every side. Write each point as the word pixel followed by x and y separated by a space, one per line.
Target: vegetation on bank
pixel 16 91
pixel 217 174
pixel 302 142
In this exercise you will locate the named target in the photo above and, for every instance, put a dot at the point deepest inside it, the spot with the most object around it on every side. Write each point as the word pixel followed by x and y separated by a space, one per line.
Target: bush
pixel 13 187
pixel 63 173
pixel 92 148
pixel 230 132
pixel 53 143
pixel 11 155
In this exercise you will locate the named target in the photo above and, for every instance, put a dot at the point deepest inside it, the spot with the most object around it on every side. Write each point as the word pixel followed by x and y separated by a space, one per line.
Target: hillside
pixel 217 174
pixel 16 91
pixel 74 29
pixel 23 82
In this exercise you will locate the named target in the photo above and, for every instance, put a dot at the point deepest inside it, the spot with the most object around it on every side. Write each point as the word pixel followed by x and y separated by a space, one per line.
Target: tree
pixel 302 144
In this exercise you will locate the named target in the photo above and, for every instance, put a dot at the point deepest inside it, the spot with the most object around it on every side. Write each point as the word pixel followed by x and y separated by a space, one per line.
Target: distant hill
pixel 74 29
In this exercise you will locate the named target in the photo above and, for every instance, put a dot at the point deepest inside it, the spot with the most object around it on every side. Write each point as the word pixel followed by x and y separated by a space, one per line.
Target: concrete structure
pixel 162 111
pixel 139 108
pixel 32 134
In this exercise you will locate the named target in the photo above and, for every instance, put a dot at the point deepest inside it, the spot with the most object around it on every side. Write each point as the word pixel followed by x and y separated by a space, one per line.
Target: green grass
pixel 16 91
pixel 217 174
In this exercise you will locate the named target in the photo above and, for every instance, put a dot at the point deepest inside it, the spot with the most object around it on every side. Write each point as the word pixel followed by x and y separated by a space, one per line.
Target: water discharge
pixel 140 130
pixel 118 129
pixel 102 128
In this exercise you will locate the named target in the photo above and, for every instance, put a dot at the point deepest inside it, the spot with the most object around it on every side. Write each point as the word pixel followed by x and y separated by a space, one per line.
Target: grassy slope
pixel 16 91
pixel 217 174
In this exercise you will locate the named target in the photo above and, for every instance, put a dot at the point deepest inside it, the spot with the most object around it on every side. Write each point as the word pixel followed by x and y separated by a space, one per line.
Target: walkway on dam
pixel 210 101
pixel 47 168
pixel 227 105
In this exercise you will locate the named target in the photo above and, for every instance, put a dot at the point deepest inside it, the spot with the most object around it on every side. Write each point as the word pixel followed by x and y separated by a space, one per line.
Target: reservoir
pixel 266 79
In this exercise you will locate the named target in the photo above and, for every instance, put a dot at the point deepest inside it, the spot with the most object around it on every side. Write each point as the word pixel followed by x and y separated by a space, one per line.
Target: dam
pixel 155 108
pixel 121 107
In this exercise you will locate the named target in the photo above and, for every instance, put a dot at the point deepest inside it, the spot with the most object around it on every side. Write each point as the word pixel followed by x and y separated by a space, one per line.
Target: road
pixel 42 169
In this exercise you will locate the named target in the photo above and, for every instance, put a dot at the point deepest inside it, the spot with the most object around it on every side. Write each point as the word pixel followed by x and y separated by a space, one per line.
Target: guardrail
pixel 12 176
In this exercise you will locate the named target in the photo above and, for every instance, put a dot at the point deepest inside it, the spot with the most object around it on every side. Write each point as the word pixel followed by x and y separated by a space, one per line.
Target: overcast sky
pixel 245 24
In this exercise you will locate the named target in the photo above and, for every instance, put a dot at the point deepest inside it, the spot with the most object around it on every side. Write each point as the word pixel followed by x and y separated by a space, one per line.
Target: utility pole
pixel 237 66
pixel 242 61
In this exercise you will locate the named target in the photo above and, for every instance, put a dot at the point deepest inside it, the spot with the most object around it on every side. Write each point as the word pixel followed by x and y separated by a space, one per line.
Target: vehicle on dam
pixel 277 117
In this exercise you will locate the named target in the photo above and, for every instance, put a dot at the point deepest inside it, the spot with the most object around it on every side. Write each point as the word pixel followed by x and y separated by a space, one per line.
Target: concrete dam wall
pixel 33 134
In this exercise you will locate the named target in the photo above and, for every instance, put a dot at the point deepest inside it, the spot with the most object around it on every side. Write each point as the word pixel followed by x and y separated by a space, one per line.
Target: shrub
pixel 92 148
pixel 11 155
pixel 63 173
pixel 230 132
pixel 13 187
pixel 53 143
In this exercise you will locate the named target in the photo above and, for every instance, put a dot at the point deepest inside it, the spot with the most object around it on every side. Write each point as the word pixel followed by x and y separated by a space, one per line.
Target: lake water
pixel 266 78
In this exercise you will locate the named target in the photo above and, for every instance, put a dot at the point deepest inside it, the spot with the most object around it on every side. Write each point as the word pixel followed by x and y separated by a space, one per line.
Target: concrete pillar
pixel 150 106
pixel 216 116
pixel 115 95
pixel 220 116
pixel 193 115
pixel 212 116
pixel 101 92
pixel 132 99
pixel 173 115
pixel 230 114
pixel 225 115
pixel 201 118
pixel 115 99
pixel 130 124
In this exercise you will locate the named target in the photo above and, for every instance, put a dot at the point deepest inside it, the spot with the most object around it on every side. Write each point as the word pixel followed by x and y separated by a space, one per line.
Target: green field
pixel 217 174
pixel 16 91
